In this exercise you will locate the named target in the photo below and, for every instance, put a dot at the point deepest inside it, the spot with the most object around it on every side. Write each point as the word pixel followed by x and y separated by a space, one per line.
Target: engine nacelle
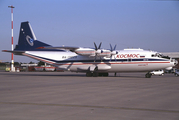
pixel 85 51
pixel 93 52
pixel 114 52
pixel 103 52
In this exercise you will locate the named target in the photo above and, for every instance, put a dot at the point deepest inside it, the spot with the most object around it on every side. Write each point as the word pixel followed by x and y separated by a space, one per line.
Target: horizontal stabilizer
pixel 14 52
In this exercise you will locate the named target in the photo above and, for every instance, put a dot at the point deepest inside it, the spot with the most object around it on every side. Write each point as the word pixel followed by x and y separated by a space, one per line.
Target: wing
pixel 83 51
pixel 72 49
pixel 77 50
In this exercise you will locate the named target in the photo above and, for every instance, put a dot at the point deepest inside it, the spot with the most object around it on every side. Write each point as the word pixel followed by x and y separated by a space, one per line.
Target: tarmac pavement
pixel 73 96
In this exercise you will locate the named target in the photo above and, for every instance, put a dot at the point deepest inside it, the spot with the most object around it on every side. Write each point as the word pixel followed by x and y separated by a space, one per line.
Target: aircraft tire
pixel 103 74
pixel 89 74
pixel 95 74
pixel 148 75
pixel 100 74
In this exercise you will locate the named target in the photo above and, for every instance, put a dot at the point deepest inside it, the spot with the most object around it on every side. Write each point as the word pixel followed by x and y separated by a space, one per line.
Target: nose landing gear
pixel 148 75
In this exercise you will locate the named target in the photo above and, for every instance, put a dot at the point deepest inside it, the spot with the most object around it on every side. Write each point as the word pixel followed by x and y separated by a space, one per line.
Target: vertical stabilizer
pixel 27 39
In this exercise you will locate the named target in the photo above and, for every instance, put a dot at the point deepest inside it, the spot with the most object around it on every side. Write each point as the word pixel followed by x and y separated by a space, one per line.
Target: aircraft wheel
pixel 88 74
pixel 105 74
pixel 100 74
pixel 95 74
pixel 148 75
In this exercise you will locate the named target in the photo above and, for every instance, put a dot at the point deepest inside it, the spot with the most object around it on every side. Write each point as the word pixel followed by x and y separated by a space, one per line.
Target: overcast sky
pixel 146 24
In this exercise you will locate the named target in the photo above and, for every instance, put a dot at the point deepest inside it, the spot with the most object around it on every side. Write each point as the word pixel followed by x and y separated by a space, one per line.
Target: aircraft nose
pixel 176 62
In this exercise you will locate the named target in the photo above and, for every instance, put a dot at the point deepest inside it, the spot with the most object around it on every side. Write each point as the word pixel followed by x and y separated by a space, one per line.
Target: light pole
pixel 12 58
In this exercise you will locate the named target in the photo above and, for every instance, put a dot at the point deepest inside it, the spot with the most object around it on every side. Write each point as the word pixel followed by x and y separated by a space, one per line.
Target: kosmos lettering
pixel 128 56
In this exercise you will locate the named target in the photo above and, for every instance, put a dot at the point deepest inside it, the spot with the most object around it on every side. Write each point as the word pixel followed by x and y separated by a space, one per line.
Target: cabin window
pixel 145 59
pixel 123 60
pixel 152 55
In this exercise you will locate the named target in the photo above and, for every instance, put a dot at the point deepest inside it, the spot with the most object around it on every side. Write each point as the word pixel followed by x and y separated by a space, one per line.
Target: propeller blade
pixel 115 58
pixel 115 47
pixel 97 50
pixel 95 46
pixel 111 51
pixel 111 47
pixel 99 45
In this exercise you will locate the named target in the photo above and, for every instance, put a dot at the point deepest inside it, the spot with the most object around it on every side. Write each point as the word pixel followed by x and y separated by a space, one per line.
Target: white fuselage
pixel 127 60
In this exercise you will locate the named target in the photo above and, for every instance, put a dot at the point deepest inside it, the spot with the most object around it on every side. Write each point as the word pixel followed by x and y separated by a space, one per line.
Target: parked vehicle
pixel 176 73
pixel 157 72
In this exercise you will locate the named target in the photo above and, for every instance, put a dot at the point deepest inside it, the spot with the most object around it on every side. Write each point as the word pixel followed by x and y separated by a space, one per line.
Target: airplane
pixel 92 61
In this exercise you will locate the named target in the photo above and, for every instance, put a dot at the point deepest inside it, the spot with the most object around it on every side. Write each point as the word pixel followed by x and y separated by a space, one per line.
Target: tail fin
pixel 27 40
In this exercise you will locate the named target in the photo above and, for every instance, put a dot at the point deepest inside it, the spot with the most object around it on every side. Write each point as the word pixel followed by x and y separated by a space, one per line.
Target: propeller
pixel 98 50
pixel 113 52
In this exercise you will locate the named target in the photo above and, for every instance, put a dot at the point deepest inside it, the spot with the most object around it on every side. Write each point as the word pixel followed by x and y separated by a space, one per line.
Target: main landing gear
pixel 148 75
pixel 96 74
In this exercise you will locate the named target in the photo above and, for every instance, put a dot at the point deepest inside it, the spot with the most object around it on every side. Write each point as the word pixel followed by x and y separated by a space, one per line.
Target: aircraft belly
pixel 114 67
pixel 126 67
pixel 90 67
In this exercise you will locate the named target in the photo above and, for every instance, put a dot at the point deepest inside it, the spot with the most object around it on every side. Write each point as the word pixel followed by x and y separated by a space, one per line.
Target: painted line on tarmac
pixel 91 106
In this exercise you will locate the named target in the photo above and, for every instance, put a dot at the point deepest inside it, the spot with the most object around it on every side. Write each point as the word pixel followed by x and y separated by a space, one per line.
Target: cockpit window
pixel 160 56
pixel 166 57
pixel 153 55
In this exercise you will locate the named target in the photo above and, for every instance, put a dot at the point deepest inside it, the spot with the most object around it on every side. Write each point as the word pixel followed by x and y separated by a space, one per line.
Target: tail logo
pixel 30 40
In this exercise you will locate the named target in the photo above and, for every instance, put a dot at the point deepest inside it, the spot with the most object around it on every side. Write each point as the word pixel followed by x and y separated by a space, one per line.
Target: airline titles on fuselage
pixel 128 56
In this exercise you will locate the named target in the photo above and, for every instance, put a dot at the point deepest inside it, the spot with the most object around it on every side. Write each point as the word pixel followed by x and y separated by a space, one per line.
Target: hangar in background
pixel 173 55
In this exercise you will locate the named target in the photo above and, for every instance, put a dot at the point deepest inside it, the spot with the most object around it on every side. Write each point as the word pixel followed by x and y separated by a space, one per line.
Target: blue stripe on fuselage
pixel 103 60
